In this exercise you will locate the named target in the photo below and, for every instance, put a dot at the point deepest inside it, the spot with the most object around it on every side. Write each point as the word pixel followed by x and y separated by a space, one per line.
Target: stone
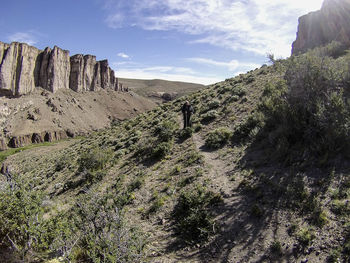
pixel 318 28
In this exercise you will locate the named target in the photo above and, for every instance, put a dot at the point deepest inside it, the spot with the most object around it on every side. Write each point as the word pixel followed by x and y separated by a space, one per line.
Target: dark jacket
pixel 187 109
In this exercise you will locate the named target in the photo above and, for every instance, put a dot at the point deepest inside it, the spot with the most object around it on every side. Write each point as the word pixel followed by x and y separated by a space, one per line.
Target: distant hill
pixel 160 90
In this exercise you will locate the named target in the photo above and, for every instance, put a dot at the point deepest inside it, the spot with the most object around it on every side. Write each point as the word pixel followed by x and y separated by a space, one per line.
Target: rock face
pixel 54 69
pixel 23 68
pixel 331 23
pixel 18 68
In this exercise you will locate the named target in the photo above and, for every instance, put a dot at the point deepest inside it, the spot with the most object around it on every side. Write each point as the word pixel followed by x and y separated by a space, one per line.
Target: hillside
pixel 43 116
pixel 160 90
pixel 261 177
pixel 48 95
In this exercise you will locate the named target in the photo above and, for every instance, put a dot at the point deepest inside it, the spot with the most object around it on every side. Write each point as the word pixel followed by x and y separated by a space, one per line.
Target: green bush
pixel 186 133
pixel 239 91
pixel 161 150
pixel 248 128
pixel 22 225
pixel 193 220
pixel 94 159
pixel 104 236
pixel 276 248
pixel 305 236
pixel 218 138
pixel 166 130
pixel 209 116
pixel 213 104
pixel 193 157
pixel 315 113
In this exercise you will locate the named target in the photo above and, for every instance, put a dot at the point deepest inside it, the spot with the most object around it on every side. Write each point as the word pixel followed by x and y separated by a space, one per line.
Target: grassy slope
pixel 255 222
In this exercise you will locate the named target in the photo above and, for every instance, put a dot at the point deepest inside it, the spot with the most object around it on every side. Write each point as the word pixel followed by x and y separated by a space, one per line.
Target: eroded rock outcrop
pixel 18 68
pixel 331 23
pixel 23 140
pixel 23 68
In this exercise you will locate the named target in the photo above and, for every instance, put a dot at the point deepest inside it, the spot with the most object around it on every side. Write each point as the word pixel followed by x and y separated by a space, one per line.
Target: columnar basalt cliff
pixel 331 23
pixel 23 68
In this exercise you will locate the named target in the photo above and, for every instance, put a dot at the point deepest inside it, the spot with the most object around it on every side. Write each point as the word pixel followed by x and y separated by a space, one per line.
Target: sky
pixel 200 41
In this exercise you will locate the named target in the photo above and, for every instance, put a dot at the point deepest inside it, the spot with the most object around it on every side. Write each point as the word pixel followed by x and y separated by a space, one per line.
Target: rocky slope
pixel 43 116
pixel 23 68
pixel 44 95
pixel 331 23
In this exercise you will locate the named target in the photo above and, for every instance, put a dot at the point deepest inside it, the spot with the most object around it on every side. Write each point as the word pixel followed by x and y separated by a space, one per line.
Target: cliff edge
pixel 331 23
pixel 23 68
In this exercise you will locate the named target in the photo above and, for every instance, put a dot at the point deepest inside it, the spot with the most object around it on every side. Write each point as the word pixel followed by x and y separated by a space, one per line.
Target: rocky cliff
pixel 23 68
pixel 331 23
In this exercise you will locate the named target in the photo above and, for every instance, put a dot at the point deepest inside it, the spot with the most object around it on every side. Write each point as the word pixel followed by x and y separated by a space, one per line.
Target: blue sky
pixel 203 41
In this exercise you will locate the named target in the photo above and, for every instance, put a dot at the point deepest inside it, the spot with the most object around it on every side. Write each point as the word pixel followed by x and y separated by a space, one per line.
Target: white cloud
pixel 257 26
pixel 232 65
pixel 164 72
pixel 123 55
pixel 142 74
pixel 23 37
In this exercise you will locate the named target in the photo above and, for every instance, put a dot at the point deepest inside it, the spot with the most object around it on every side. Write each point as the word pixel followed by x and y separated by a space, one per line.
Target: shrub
pixel 165 130
pixel 186 133
pixel 104 236
pixel 334 256
pixel 22 225
pixel 209 116
pixel 320 217
pixel 158 202
pixel 276 247
pixel 340 207
pixel 256 211
pixel 248 128
pixel 238 91
pixel 192 158
pixel 213 104
pixel 193 220
pixel 197 127
pixel 218 138
pixel 61 163
pixel 315 113
pixel 305 236
pixel 161 150
pixel 94 159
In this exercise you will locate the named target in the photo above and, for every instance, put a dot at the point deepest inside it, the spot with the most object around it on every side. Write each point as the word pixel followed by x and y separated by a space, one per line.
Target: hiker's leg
pixel 189 123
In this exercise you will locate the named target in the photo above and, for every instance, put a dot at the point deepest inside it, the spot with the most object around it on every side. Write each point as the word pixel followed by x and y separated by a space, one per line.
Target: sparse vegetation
pixel 283 133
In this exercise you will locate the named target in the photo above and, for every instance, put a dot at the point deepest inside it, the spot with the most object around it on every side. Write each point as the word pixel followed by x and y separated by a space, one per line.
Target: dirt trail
pixel 217 168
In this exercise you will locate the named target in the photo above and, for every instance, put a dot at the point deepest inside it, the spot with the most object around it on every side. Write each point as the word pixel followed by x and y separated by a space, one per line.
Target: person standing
pixel 187 111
